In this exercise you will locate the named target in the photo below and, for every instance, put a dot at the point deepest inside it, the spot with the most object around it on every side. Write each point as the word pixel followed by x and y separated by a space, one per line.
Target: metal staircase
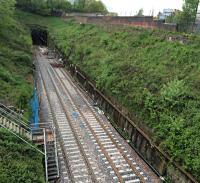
pixel 51 156
pixel 9 119
pixel 45 137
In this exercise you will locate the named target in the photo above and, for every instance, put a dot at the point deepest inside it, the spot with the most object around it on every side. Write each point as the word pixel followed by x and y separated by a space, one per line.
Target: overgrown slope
pixel 156 79
pixel 15 60
pixel 18 162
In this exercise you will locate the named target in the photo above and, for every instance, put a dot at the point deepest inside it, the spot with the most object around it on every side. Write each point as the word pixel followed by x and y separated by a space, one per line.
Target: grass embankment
pixel 156 79
pixel 18 162
pixel 16 82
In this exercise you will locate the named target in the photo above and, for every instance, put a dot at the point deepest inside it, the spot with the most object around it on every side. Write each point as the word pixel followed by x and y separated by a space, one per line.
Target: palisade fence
pixel 188 28
pixel 198 29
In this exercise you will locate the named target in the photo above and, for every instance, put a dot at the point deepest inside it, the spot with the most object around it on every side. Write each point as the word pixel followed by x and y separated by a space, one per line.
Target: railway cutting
pixel 89 148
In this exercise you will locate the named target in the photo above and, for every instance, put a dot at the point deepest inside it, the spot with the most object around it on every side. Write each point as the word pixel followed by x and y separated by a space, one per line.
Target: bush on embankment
pixel 19 162
pixel 156 79
pixel 15 59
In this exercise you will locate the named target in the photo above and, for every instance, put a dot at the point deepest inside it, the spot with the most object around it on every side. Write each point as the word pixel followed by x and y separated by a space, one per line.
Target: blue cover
pixel 35 110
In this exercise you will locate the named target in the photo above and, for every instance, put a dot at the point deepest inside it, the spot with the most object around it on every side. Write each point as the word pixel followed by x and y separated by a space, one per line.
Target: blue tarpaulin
pixel 75 115
pixel 35 110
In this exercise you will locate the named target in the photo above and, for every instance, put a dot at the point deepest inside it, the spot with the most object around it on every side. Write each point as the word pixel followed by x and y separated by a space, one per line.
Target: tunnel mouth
pixel 39 36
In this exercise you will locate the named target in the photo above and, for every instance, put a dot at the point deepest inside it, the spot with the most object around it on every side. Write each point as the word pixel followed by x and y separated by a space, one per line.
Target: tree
pixel 35 6
pixel 60 4
pixel 140 12
pixel 188 16
pixel 79 5
pixel 95 6
pixel 190 10
pixel 66 5
pixel 89 6
pixel 175 17
pixel 44 7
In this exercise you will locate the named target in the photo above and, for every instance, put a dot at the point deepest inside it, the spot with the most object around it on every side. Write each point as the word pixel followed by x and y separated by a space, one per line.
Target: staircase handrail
pixel 15 113
pixel 56 151
pixel 20 127
pixel 45 151
pixel 23 139
pixel 13 118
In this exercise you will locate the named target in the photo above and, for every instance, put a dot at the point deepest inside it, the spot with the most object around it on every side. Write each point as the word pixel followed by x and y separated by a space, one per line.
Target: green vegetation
pixel 44 7
pixel 190 10
pixel 156 79
pixel 186 18
pixel 15 59
pixel 140 12
pixel 18 162
pixel 89 6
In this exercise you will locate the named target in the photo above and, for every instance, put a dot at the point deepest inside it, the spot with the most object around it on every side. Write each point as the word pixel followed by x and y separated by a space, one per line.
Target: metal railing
pixel 45 151
pixel 15 134
pixel 15 128
pixel 55 151
pixel 14 117
pixel 9 117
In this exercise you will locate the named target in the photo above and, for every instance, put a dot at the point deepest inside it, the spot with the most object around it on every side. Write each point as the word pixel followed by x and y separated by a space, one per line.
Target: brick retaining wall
pixel 139 21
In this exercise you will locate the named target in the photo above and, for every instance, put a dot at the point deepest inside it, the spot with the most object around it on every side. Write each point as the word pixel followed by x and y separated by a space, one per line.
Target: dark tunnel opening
pixel 39 36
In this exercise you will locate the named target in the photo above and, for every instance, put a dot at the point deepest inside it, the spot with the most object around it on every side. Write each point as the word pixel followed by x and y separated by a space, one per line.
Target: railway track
pixel 47 119
pixel 78 169
pixel 91 151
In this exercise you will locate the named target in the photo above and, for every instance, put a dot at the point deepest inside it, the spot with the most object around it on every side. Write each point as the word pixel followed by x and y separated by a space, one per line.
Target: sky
pixel 131 7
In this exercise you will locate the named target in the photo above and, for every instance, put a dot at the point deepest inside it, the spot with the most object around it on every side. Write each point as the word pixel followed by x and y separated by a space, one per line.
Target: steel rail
pixel 91 173
pixel 85 95
pixel 100 123
pixel 97 139
pixel 62 143
pixel 56 124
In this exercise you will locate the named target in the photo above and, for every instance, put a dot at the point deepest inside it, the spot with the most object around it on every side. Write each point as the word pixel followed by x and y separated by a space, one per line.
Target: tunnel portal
pixel 39 36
